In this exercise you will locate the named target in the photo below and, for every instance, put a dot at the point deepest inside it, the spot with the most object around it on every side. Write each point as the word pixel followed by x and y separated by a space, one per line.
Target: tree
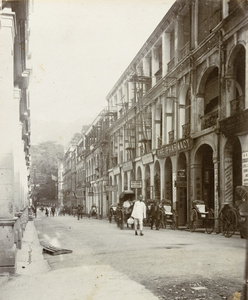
pixel 44 169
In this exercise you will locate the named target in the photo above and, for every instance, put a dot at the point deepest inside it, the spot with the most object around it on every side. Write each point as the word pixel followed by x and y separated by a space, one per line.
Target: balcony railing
pixel 209 120
pixel 186 130
pixel 184 51
pixel 237 105
pixel 158 74
pixel 171 137
pixel 171 64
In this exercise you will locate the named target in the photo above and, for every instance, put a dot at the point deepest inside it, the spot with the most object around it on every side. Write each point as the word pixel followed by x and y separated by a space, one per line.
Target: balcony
pixel 237 105
pixel 209 120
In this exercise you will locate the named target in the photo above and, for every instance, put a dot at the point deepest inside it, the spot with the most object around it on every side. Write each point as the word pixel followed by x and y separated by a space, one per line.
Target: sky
pixel 79 50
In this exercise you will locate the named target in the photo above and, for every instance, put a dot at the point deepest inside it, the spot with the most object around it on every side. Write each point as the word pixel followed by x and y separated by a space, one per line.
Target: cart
pixel 201 216
pixel 234 217
pixel 169 216
pixel 124 208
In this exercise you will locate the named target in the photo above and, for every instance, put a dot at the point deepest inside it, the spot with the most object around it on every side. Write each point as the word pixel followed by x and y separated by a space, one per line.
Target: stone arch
pixel 147 182
pixel 157 178
pixel 203 175
pixel 182 206
pixel 139 178
pixel 168 179
pixel 235 80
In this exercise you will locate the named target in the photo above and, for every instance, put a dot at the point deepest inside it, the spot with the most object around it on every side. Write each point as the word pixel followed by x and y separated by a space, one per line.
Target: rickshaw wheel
pixel 110 217
pixel 162 223
pixel 229 223
pixel 173 224
pixel 209 222
pixel 244 231
pixel 122 220
pixel 193 219
pixel 209 225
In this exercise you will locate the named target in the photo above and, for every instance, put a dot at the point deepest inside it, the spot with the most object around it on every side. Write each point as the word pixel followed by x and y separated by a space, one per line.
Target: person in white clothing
pixel 139 213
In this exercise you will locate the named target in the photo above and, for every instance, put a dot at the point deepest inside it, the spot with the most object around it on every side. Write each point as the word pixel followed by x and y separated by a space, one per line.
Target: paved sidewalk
pixel 34 279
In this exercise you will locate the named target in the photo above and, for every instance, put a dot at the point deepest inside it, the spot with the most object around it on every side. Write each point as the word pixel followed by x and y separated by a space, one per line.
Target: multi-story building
pixel 96 163
pixel 176 123
pixel 81 174
pixel 69 186
pixel 14 129
pixel 181 109
pixel 60 184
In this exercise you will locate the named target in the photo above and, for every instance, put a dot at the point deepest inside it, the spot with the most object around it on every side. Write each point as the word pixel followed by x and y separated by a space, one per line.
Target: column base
pixel 8 260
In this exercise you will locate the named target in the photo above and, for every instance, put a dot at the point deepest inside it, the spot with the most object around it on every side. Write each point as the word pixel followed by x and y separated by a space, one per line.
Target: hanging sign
pixel 136 184
pixel 147 158
pixel 116 170
pixel 127 166
pixel 245 168
pixel 111 188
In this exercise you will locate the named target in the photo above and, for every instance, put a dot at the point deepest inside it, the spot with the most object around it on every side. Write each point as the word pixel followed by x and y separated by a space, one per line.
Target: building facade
pixel 181 128
pixel 96 163
pixel 176 122
pixel 14 129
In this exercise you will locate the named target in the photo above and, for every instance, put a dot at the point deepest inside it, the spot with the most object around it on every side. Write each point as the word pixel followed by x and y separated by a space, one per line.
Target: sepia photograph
pixel 124 149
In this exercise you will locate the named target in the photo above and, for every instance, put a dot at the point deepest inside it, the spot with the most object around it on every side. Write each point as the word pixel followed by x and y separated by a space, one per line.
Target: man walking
pixel 139 213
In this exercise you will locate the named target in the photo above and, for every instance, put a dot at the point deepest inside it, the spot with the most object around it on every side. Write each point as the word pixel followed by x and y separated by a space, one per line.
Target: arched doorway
pixel 125 181
pixel 168 180
pixel 182 190
pixel 204 180
pixel 233 168
pixel 139 178
pixel 147 183
pixel 157 185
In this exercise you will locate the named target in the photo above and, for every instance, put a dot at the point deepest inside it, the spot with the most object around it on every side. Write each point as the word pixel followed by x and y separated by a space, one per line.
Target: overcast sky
pixel 79 50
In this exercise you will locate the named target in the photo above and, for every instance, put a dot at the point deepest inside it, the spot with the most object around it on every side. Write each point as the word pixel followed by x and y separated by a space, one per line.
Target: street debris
pixel 55 250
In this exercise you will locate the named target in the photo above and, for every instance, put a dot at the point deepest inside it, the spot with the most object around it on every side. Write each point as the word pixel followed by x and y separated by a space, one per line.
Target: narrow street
pixel 171 264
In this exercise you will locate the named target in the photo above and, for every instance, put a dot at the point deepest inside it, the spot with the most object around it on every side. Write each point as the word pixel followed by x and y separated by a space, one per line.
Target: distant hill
pixel 58 131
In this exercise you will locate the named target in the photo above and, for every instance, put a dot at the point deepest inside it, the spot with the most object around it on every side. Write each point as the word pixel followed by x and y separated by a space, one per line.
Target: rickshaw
pixel 93 211
pixel 233 218
pixel 124 208
pixel 112 212
pixel 201 216
pixel 169 216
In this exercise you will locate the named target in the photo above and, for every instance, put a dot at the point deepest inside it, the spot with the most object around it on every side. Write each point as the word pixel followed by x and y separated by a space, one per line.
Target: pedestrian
pixel 155 214
pixel 53 210
pixel 139 214
pixel 79 212
pixel 47 212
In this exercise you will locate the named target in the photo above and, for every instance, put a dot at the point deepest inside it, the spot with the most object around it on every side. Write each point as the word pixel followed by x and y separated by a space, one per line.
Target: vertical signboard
pixel 245 168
